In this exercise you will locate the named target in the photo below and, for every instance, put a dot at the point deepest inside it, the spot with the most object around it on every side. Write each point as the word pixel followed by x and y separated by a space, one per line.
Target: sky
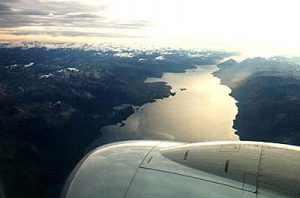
pixel 254 27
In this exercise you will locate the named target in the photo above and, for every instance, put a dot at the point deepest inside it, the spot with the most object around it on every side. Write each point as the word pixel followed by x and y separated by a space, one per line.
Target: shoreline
pixel 176 88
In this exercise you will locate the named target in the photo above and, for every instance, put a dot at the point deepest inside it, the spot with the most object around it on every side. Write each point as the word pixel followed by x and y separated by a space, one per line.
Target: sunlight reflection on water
pixel 201 110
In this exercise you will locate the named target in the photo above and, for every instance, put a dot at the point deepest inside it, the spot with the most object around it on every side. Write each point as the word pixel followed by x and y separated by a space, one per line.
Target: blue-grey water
pixel 201 110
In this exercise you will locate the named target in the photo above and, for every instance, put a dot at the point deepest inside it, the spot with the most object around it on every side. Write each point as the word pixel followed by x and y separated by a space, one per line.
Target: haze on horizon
pixel 253 27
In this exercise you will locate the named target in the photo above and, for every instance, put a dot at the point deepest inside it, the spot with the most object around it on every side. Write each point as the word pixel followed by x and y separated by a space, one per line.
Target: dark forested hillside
pixel 268 95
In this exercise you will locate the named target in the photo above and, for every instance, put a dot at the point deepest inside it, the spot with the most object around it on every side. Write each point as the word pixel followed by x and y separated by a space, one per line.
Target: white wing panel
pixel 156 184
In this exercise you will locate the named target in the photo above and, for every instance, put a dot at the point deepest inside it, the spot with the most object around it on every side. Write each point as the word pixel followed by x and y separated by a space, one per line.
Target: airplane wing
pixel 136 169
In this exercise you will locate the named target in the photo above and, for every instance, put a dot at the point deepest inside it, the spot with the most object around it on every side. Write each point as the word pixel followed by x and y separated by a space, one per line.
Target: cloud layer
pixel 61 18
